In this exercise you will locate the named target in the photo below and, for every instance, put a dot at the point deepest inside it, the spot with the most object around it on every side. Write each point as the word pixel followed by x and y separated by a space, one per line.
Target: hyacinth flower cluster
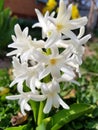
pixel 43 64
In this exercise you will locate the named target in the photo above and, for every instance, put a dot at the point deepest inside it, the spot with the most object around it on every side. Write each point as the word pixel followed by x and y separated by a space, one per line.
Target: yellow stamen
pixel 48 34
pixel 53 61
pixel 59 27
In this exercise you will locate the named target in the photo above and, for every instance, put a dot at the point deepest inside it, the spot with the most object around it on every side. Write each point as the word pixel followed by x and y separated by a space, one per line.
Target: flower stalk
pixel 41 114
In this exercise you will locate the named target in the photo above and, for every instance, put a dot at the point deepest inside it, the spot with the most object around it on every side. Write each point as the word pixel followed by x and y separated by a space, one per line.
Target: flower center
pixel 59 27
pixel 49 33
pixel 53 61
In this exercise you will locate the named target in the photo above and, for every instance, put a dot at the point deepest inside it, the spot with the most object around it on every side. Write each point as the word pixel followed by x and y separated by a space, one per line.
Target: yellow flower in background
pixel 75 11
pixel 51 4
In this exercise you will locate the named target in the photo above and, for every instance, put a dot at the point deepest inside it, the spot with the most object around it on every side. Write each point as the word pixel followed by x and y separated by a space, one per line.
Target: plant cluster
pixel 6 27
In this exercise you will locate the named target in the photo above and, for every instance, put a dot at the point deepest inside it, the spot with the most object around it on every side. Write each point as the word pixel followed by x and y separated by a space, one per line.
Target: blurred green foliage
pixel 7 23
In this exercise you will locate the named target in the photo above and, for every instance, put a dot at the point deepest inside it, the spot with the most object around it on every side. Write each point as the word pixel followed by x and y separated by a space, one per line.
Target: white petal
pixel 55 101
pixel 46 14
pixel 16 63
pixel 71 35
pixel 62 9
pixel 40 17
pixel 36 25
pixel 77 23
pixel 38 56
pixel 54 50
pixel 44 73
pixel 36 97
pixel 13 53
pixel 68 71
pixel 25 32
pixel 62 103
pixel 13 38
pixel 75 82
pixel 68 12
pixel 27 107
pixel 55 72
pixel 17 80
pixel 56 86
pixel 66 77
pixel 51 40
pixel 48 106
pixel 85 39
pixel 13 97
pixel 18 30
pixel 44 89
pixel 81 32
pixel 22 107
pixel 20 87
pixel 53 14
pixel 13 83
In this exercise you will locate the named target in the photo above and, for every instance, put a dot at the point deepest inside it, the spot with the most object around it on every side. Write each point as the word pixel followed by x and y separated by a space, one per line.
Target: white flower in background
pixel 51 90
pixel 24 73
pixel 53 63
pixel 23 44
pixel 24 97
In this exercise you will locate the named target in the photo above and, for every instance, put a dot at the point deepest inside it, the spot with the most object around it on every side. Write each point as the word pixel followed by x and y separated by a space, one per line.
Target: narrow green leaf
pixel 65 116
pixel 1 20
pixel 24 127
pixel 1 5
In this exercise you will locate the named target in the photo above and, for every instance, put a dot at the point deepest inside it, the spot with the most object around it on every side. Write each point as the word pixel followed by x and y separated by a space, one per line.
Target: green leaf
pixel 45 124
pixel 92 125
pixel 42 126
pixel 1 5
pixel 65 116
pixel 16 128
pixel 23 127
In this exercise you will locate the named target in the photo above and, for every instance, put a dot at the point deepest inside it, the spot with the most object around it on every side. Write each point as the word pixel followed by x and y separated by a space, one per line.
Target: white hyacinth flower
pixel 51 90
pixel 58 56
pixel 44 23
pixel 53 63
pixel 24 73
pixel 23 44
pixel 62 24
pixel 77 50
pixel 23 98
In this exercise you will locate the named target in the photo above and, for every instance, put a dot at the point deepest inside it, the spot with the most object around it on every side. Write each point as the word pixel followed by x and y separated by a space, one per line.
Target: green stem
pixel 41 115
pixel 35 109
